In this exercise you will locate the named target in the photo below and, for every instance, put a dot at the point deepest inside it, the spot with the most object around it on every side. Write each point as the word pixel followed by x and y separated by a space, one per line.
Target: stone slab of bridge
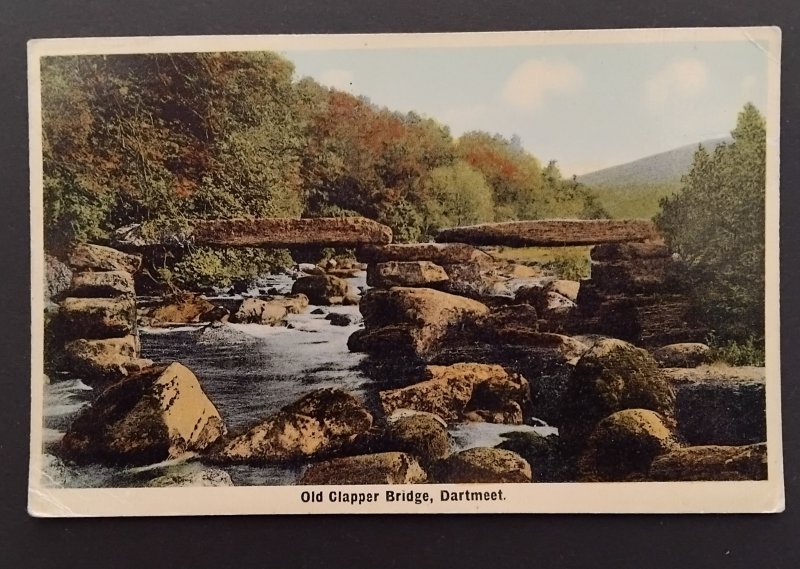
pixel 552 232
pixel 271 233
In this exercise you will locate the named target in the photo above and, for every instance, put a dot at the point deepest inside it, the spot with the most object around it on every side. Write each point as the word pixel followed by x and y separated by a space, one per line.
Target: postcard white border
pixel 620 497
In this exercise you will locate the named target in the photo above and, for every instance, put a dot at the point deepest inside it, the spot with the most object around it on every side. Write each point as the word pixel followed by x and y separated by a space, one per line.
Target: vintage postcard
pixel 406 273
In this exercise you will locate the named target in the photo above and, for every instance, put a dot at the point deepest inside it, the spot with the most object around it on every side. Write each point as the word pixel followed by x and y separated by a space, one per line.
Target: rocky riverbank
pixel 410 364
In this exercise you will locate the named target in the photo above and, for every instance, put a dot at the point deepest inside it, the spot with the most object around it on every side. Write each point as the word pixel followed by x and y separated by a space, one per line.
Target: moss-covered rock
pixel 421 434
pixel 624 444
pixel 107 284
pixel 151 416
pixel 482 464
pixel 105 360
pixel 381 468
pixel 97 318
pixel 748 462
pixel 612 376
pixel 322 289
pixel 544 454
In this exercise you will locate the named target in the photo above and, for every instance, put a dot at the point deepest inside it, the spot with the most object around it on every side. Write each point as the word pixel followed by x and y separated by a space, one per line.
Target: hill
pixel 635 188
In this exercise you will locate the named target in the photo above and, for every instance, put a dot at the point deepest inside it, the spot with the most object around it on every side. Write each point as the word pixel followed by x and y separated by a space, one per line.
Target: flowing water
pixel 249 371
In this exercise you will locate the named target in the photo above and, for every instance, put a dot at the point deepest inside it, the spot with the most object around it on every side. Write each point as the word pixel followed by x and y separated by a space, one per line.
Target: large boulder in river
pixel 323 422
pixel 405 273
pixel 257 311
pixel 720 404
pixel 381 468
pixel 612 376
pixel 687 354
pixel 412 320
pixel 108 284
pixel 151 416
pixel 97 318
pixel 748 462
pixel 209 478
pixel 322 289
pixel 88 257
pixel 422 434
pixel 463 391
pixel 106 360
pixel 484 465
pixel 294 304
pixel 184 308
pixel 625 443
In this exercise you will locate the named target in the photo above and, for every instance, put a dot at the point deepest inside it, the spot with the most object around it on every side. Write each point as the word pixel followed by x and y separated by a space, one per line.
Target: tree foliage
pixel 160 139
pixel 716 223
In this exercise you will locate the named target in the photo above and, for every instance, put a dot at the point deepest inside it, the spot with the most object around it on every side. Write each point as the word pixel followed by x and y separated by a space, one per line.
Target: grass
pixel 634 201
pixel 565 262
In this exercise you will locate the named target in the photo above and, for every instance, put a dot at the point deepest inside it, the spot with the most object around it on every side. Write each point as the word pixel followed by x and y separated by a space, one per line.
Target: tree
pixel 457 195
pixel 716 223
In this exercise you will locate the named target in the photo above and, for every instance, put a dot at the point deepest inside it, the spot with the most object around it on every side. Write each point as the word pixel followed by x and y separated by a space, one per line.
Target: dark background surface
pixel 751 541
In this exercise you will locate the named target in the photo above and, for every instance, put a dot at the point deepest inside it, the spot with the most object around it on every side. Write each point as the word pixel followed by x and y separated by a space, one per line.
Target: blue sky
pixel 587 106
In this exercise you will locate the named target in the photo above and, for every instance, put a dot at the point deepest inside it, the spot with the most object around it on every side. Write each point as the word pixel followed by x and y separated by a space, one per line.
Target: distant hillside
pixel 634 189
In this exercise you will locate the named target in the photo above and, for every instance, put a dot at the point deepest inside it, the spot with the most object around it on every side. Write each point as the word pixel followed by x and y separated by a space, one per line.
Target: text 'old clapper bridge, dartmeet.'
pixel 634 292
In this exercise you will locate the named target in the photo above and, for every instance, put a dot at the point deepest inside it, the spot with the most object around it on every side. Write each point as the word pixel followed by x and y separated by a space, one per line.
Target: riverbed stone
pixel 543 453
pixel 484 465
pixel 257 311
pixel 380 468
pixel 405 273
pixel 320 423
pixel 57 277
pixel 421 434
pixel 712 462
pixel 720 404
pixel 107 284
pixel 339 319
pixel 106 360
pixel 687 354
pixel 322 289
pixel 625 443
pixel 97 318
pixel 151 416
pixel 450 392
pixel 184 308
pixel 90 257
pixel 612 376
pixel 413 321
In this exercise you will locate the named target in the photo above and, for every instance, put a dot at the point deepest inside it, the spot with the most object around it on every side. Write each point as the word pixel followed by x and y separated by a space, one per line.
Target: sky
pixel 587 106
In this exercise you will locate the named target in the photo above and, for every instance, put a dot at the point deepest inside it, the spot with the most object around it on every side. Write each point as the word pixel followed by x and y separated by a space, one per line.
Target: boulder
pixel 179 309
pixel 381 468
pixel 612 376
pixel 405 273
pixel 543 453
pixel 498 322
pixel 416 319
pixel 565 288
pixel 151 416
pixel 687 354
pixel 338 319
pixel 106 360
pixel 107 284
pixel 57 277
pixel 439 253
pixel 209 478
pixel 530 294
pixel 452 391
pixel 257 311
pixel 311 269
pixel 747 462
pixel 88 257
pixel 484 465
pixel 421 434
pixel 217 314
pixel 97 318
pixel 625 443
pixel 720 404
pixel 351 300
pixel 323 422
pixel 321 289
pixel 294 304
pixel 344 273
pixel 551 304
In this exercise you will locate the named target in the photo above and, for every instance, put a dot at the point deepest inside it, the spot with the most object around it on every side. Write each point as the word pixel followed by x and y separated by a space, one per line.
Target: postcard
pixel 406 273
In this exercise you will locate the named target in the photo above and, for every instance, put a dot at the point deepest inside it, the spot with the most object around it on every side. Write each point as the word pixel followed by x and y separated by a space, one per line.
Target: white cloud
pixel 341 79
pixel 681 79
pixel 536 79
